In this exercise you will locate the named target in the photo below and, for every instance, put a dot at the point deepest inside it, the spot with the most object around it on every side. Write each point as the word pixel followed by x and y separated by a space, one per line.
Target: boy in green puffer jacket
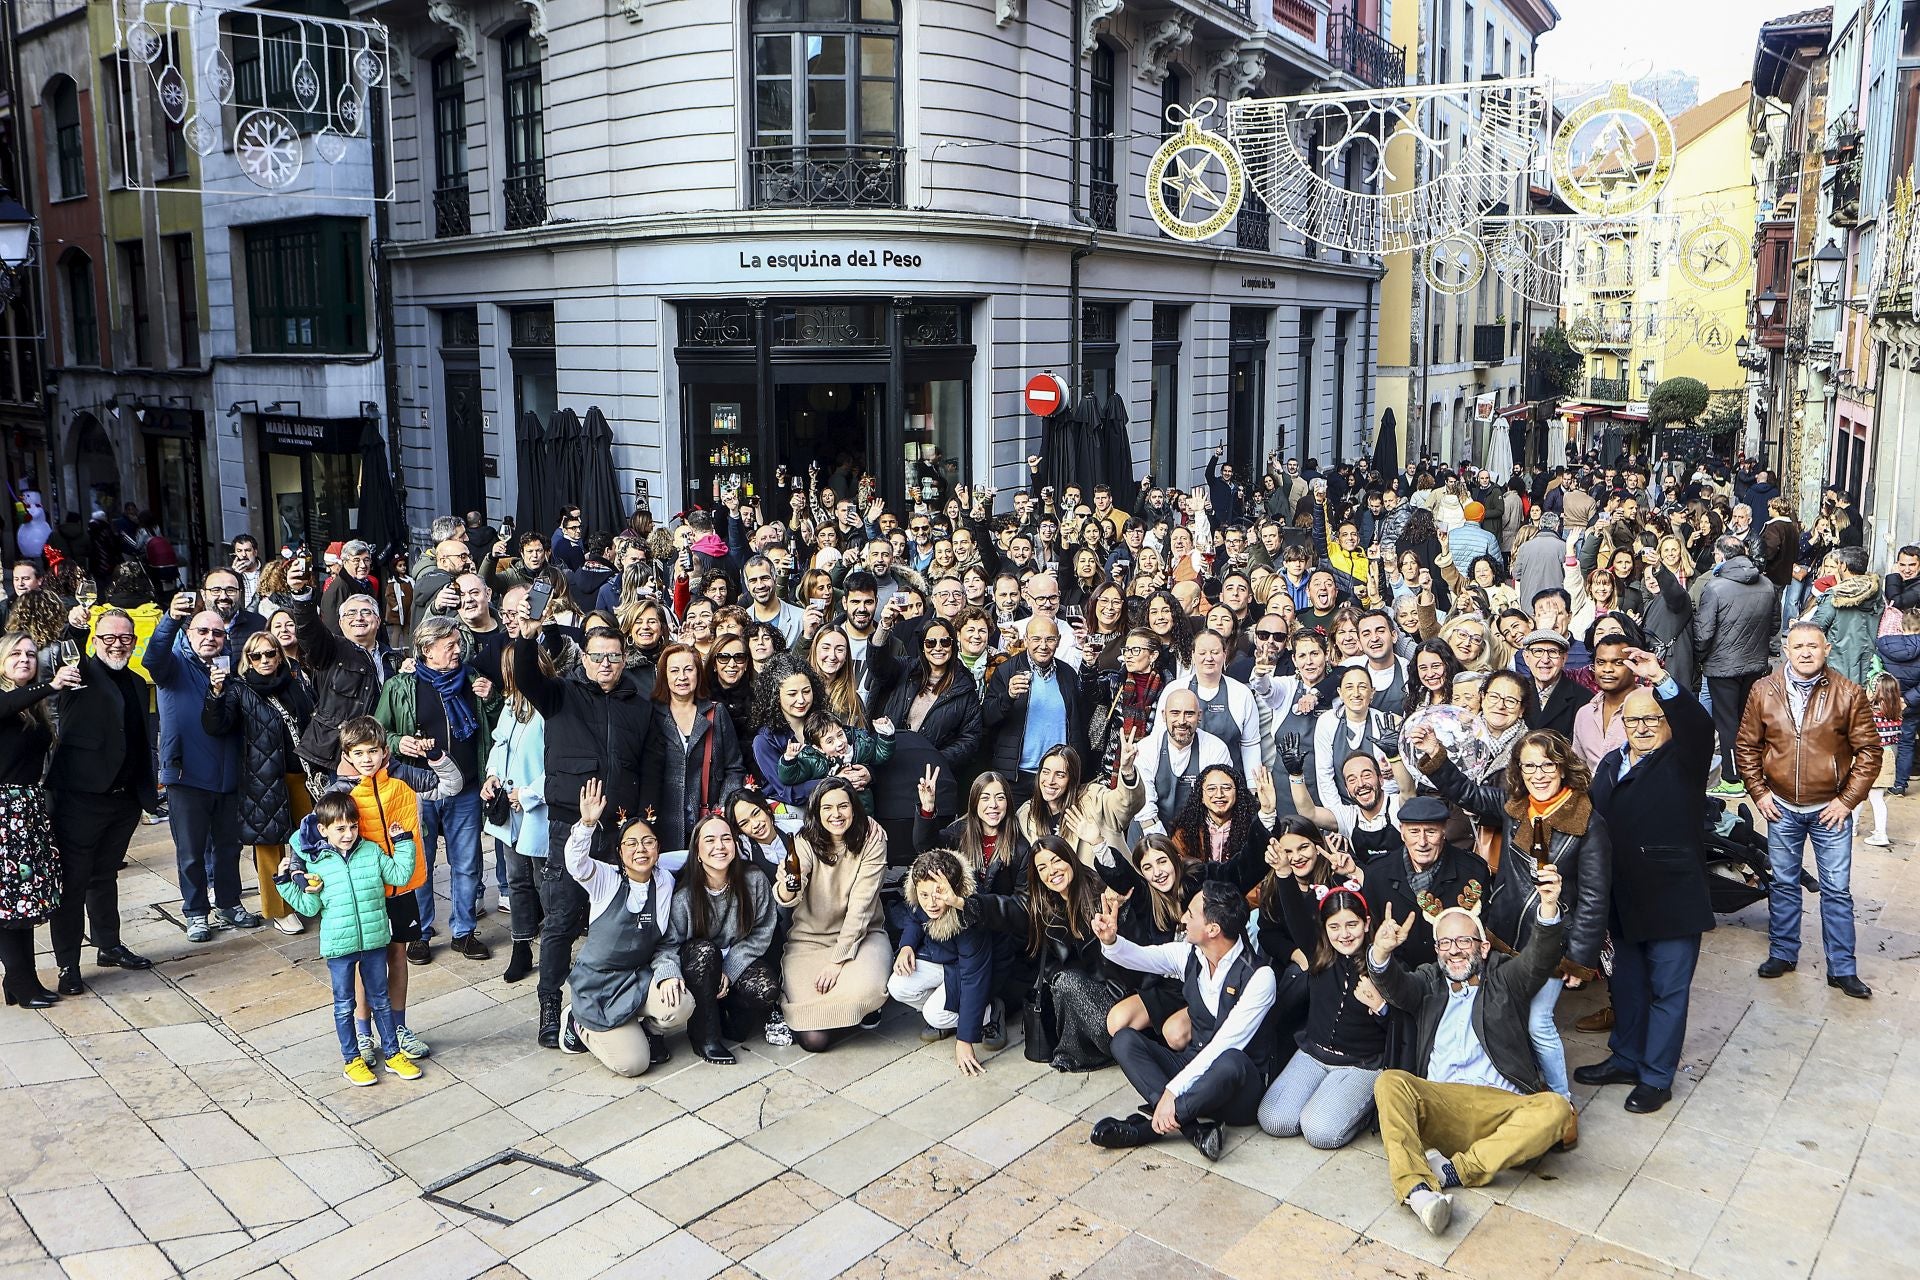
pixel 345 884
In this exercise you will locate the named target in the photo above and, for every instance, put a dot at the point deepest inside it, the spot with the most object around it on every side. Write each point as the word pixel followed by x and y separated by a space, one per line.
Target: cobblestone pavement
pixel 192 1121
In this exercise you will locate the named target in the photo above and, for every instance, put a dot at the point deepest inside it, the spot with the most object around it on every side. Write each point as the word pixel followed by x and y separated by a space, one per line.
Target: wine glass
pixel 70 657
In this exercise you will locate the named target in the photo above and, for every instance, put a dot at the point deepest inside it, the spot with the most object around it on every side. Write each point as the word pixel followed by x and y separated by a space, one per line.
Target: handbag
pixel 1038 1033
pixel 497 809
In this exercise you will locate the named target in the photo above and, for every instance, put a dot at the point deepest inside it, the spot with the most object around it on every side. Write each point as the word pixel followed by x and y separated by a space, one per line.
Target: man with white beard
pixel 100 778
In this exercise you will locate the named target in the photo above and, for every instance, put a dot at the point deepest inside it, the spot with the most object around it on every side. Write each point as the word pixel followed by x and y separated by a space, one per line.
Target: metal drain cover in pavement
pixel 508 1187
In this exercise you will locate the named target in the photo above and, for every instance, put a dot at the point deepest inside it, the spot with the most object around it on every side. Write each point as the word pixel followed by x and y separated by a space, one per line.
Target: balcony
pixel 1786 176
pixel 1489 344
pixel 1364 53
pixel 1253 226
pixel 1103 203
pixel 1241 9
pixel 1843 193
pixel 828 177
pixel 1298 16
pixel 1608 390
pixel 1610 282
pixel 526 200
pixel 452 211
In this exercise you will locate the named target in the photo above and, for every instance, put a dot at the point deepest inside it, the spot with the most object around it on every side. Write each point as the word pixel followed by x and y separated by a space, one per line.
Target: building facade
pixel 758 234
pixel 1452 365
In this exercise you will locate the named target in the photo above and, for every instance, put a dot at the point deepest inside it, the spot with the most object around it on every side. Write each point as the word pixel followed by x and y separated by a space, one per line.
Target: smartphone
pixel 222 664
pixel 539 596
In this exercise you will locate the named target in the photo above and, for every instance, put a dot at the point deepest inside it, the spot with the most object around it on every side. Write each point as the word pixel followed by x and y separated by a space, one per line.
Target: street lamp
pixel 16 246
pixel 1769 305
pixel 1827 266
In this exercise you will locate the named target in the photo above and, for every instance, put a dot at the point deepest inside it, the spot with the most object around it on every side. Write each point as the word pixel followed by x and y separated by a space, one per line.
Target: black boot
pixel 704 1031
pixel 550 1021
pixel 520 963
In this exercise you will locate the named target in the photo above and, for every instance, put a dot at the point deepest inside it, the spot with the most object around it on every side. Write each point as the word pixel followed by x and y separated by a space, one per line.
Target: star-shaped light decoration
pixel 1191 182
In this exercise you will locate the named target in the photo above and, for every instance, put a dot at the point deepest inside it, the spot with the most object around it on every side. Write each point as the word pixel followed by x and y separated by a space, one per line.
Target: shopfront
pixel 311 473
pixel 174 441
pixel 876 385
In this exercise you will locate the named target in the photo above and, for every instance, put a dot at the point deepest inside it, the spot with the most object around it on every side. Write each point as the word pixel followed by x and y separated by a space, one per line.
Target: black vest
pixel 1206 1022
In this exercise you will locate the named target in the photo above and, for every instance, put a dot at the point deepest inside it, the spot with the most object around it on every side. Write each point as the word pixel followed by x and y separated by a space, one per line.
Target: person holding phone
pixel 1546 779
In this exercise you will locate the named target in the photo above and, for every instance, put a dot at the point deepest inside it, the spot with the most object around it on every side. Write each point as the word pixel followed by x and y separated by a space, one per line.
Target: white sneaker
pixel 290 924
pixel 1879 838
pixel 1434 1210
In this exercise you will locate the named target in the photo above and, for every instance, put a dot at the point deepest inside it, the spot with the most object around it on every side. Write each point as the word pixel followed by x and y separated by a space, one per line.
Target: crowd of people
pixel 1300 797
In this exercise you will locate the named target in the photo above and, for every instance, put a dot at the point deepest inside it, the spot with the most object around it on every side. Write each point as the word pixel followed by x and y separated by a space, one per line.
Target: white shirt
pixel 1241 705
pixel 1206 751
pixel 1169 959
pixel 602 880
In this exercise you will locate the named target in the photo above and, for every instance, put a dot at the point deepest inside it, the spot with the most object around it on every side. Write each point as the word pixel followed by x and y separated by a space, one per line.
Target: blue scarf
pixel 452 688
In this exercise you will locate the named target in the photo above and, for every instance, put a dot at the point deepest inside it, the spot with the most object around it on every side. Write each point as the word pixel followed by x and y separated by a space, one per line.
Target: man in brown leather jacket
pixel 1809 753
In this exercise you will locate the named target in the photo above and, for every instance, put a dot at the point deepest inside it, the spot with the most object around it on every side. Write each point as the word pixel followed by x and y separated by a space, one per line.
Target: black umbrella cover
pixel 1386 448
pixel 1116 451
pixel 530 453
pixel 382 523
pixel 599 491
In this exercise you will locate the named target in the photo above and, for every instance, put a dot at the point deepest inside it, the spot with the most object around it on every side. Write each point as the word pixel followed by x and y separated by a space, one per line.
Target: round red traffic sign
pixel 1046 395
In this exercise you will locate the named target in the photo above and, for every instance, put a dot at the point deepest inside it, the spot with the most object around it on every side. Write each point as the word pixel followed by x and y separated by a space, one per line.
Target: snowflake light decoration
pixel 268 148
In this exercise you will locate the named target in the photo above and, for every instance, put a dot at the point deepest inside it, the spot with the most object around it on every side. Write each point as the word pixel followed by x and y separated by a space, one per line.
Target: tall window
pixel 526 132
pixel 826 102
pixel 1103 193
pixel 83 317
pixel 186 298
pixel 69 148
pixel 135 317
pixel 306 286
pixel 451 213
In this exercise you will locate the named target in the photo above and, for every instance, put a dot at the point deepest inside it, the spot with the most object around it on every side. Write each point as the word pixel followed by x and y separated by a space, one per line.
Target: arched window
pixel 69 148
pixel 83 316
pixel 826 102
pixel 451 214
pixel 1103 192
pixel 526 131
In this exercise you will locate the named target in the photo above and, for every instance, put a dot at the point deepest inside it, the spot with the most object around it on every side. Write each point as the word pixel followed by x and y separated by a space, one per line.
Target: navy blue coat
pixel 967 958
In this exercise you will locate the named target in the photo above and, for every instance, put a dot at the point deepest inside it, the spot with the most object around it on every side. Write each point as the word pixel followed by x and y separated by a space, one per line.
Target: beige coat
pixel 836 920
pixel 1104 814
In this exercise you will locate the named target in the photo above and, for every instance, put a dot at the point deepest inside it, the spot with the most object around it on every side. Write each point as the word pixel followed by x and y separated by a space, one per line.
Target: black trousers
pixel 1228 1091
pixel 92 832
pixel 564 904
pixel 1729 694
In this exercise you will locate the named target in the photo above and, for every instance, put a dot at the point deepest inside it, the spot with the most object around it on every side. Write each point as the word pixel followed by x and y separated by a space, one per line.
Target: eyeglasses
pixel 1455 944
pixel 936 642
pixel 103 640
pixel 1135 651
pixel 603 659
pixel 1052 599
pixel 1500 699
pixel 1643 722
pixel 262 655
pixel 210 631
pixel 1542 766
pixel 1271 637
pixel 735 658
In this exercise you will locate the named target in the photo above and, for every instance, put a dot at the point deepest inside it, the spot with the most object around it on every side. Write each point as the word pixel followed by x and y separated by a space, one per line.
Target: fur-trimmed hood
pixel 950 924
pixel 1571 819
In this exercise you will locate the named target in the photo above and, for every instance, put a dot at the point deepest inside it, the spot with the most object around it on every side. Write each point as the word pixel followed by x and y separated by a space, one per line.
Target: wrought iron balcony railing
pixel 452 211
pixel 1253 225
pixel 1364 53
pixel 1103 203
pixel 1489 343
pixel 526 200
pixel 1612 390
pixel 828 177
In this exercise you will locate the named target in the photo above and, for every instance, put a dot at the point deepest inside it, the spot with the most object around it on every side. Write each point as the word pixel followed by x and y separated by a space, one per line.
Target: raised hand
pixel 1547 881
pixel 1391 933
pixel 1129 748
pixel 1263 790
pixel 1646 665
pixel 929 781
pixel 593 802
pixel 1293 755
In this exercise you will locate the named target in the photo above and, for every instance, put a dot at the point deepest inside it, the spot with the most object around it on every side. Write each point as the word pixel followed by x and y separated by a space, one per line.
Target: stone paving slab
pixel 191 1121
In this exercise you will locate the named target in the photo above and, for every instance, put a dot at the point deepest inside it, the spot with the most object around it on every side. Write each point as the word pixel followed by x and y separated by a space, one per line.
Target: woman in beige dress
pixel 837 957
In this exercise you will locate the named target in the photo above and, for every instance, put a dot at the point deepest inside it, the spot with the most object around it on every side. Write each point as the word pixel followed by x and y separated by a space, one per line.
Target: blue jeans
pixel 1833 863
pixel 458 820
pixel 1903 754
pixel 1652 983
pixel 1547 1046
pixel 1793 598
pixel 372 966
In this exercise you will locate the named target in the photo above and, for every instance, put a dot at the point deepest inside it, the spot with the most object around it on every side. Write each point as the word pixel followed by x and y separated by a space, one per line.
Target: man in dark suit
pixel 100 778
pixel 1652 794
pixel 1559 698
pixel 1032 704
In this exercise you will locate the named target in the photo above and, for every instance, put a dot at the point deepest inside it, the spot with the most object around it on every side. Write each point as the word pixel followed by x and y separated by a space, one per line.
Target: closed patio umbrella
pixel 530 455
pixel 1116 451
pixel 1386 448
pixel 381 521
pixel 566 441
pixel 599 493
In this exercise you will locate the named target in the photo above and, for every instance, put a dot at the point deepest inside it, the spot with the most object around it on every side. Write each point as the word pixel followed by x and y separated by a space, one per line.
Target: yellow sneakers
pixel 358 1072
pixel 401 1065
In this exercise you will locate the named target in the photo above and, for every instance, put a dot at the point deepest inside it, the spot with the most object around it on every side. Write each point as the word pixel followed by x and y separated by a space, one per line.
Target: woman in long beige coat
pixel 1090 816
pixel 837 958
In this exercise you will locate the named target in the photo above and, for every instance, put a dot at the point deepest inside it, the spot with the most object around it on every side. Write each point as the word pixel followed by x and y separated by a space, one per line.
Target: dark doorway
pixel 460 389
pixel 833 423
